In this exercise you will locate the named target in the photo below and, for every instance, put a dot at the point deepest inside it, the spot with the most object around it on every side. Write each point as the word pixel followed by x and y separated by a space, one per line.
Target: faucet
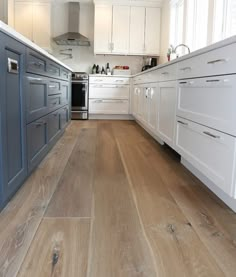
pixel 183 45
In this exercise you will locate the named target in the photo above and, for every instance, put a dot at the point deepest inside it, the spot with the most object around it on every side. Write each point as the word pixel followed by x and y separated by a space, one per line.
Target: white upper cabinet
pixel 42 24
pixel 152 31
pixel 127 30
pixel 120 29
pixel 103 29
pixel 33 20
pixel 137 30
pixel 24 19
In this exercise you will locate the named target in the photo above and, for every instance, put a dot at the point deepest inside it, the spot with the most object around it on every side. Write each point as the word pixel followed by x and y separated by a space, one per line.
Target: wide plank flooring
pixel 109 201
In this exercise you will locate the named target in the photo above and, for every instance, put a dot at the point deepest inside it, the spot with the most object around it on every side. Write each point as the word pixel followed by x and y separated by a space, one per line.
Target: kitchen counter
pixel 211 47
pixel 12 33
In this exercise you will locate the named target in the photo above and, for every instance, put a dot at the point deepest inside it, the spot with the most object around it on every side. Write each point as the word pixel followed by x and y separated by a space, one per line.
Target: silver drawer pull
pixel 213 81
pixel 165 73
pixel 186 68
pixel 183 123
pixel 54 103
pixel 55 114
pixel 211 135
pixel 217 61
pixel 183 83
pixel 39 124
pixel 119 81
pixel 98 80
pixel 34 79
pixel 52 86
pixel 38 64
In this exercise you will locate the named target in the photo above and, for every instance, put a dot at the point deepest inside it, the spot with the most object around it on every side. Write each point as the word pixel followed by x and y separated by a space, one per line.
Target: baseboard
pixel 111 116
pixel 229 201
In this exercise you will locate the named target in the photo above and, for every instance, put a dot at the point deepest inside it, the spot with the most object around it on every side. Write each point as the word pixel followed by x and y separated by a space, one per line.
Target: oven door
pixel 79 96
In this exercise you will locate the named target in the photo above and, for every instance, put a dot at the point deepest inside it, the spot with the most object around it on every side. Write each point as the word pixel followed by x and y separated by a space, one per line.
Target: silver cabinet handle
pixel 119 81
pixel 52 86
pixel 217 61
pixel 39 124
pixel 213 81
pixel 186 68
pixel 35 79
pixel 165 73
pixel 211 135
pixel 183 123
pixel 98 80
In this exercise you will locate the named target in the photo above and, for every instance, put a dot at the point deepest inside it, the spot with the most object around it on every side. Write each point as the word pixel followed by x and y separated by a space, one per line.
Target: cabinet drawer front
pixel 65 93
pixel 139 79
pixel 64 117
pixel 65 74
pixel 108 106
pixel 149 77
pixel 216 62
pixel 53 69
pixel 109 92
pixel 210 151
pixel 54 87
pixel 168 73
pixel 54 102
pixel 108 80
pixel 209 101
pixel 36 91
pixel 36 141
pixel 53 125
pixel 36 63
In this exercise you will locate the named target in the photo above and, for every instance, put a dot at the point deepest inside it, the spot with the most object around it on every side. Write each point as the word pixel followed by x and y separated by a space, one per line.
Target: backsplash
pixel 83 59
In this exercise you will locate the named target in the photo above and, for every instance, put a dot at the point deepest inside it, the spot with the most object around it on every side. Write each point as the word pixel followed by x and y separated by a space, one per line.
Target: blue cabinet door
pixel 13 156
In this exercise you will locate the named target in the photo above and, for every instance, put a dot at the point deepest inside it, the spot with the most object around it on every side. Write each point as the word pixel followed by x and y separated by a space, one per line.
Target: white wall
pixel 83 57
pixel 3 10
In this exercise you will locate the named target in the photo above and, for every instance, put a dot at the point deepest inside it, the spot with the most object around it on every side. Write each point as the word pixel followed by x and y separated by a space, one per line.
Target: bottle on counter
pixel 94 69
pixel 108 70
pixel 97 69
pixel 103 71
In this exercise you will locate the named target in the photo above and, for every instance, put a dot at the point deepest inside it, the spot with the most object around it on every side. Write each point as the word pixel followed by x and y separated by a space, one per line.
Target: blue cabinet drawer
pixel 65 74
pixel 36 63
pixel 54 102
pixel 37 139
pixel 65 93
pixel 64 117
pixel 53 69
pixel 53 126
pixel 54 87
pixel 36 89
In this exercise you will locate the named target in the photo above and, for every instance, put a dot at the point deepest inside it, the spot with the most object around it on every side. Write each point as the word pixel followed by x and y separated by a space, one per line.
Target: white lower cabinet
pixel 108 106
pixel 167 111
pixel 210 151
pixel 109 95
pixel 196 98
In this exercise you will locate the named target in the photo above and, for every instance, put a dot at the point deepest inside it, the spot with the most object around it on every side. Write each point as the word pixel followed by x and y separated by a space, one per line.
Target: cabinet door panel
pixel 137 30
pixel 166 115
pixel 64 117
pixel 152 31
pixel 37 97
pixel 53 126
pixel 12 120
pixel 102 29
pixel 210 151
pixel 37 142
pixel 120 29
pixel 152 115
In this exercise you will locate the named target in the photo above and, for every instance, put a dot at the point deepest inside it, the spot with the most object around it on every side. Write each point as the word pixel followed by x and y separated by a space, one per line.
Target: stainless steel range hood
pixel 73 37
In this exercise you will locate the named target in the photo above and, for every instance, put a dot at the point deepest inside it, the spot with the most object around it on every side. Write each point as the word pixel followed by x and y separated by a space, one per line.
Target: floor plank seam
pixel 136 205
pixel 46 206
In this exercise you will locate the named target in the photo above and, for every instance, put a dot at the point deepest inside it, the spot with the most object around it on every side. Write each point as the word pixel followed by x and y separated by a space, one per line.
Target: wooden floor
pixel 109 201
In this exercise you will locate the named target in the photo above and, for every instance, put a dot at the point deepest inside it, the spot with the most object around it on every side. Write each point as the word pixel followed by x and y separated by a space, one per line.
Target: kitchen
pixel 144 184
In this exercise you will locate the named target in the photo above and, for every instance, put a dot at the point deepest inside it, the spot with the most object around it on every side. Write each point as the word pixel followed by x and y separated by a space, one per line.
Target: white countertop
pixel 104 75
pixel 211 47
pixel 12 33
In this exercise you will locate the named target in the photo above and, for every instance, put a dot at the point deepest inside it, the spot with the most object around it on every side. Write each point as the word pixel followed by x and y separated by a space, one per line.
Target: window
pixel 196 24
pixel 176 22
pixel 224 19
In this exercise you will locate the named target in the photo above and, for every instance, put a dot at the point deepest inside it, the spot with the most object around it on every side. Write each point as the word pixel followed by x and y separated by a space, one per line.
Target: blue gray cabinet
pixel 13 160
pixel 34 111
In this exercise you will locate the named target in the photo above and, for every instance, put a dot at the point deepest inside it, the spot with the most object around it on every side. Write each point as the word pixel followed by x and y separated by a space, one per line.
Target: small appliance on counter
pixel 79 95
pixel 149 63
pixel 121 70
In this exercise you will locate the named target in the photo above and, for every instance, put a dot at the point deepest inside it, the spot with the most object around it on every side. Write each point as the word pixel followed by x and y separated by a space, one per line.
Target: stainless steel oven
pixel 79 96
